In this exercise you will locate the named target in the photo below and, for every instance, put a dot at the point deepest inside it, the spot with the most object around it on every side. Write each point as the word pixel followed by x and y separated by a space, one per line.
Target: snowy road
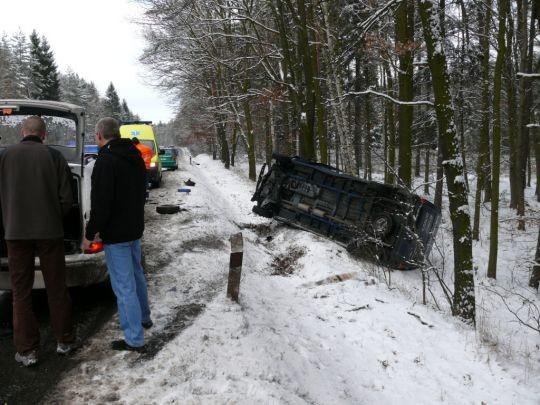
pixel 92 306
pixel 293 339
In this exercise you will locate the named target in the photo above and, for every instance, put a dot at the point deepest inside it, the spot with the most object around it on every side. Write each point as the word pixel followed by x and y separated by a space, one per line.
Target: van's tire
pixel 167 209
pixel 382 225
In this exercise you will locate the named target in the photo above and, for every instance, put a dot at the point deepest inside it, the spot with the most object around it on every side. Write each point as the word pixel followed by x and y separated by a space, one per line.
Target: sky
pixel 99 40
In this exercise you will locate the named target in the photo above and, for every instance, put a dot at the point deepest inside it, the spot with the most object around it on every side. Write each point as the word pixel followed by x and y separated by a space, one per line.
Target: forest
pixel 28 70
pixel 440 97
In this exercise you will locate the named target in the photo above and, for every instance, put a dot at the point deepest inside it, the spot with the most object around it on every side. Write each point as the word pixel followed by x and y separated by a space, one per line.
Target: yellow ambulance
pixel 145 133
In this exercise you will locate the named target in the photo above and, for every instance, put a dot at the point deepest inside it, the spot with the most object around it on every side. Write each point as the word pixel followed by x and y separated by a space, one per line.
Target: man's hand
pixel 85 244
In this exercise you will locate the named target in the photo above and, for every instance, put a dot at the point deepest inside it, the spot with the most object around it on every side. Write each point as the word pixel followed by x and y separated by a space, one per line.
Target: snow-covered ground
pixel 299 338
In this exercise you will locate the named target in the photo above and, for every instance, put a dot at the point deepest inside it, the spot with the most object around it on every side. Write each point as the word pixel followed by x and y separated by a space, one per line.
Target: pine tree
pixel 71 87
pixel 93 103
pixel 127 115
pixel 44 73
pixel 7 83
pixel 51 83
pixel 111 104
pixel 35 56
pixel 20 50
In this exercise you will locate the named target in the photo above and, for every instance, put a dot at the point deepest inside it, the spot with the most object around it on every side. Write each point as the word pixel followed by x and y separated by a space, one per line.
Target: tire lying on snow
pixel 167 209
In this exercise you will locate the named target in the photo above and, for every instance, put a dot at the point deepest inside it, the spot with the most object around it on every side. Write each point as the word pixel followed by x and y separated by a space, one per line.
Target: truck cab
pixel 65 133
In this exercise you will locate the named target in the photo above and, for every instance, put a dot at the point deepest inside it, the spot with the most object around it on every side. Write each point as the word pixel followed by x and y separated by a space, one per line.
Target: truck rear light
pixel 95 247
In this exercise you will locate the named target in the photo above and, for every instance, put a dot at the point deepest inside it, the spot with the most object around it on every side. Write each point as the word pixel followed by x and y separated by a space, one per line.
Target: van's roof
pixel 141 131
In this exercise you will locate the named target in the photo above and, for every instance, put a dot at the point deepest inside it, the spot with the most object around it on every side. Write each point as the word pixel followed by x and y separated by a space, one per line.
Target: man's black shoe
pixel 122 345
pixel 147 325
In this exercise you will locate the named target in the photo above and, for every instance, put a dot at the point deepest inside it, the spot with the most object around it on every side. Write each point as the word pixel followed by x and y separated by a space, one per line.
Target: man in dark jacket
pixel 117 219
pixel 35 194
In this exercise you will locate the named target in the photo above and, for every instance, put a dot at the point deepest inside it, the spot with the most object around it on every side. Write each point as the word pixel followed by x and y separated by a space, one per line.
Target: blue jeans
pixel 129 286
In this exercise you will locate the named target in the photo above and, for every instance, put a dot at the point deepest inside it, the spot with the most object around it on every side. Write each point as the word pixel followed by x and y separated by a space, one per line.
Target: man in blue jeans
pixel 117 219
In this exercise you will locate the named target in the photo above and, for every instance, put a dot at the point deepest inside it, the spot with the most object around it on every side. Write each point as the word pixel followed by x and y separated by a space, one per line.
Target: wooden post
pixel 535 275
pixel 235 266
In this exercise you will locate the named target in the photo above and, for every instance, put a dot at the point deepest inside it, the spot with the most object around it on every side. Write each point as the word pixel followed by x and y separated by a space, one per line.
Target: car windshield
pixel 61 133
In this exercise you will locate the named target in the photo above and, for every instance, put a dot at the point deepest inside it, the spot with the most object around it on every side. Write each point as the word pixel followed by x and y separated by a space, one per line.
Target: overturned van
pixel 383 222
pixel 65 132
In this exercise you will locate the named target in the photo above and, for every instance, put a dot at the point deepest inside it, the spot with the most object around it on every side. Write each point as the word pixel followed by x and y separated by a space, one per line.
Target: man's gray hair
pixel 109 128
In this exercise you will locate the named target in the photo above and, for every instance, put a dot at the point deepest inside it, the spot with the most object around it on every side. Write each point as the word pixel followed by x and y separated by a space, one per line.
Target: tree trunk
pixel 534 281
pixel 525 101
pixel 358 116
pixel 513 134
pixel 223 143
pixel 307 116
pixel 234 143
pixel 269 139
pixel 483 180
pixel 404 45
pixel 418 161
pixel 464 297
pixel 391 159
pixel 439 180
pixel 496 161
pixel 368 136
pixel 289 76
pixel 426 172
pixel 285 147
pixel 335 90
pixel 537 161
pixel 320 108
pixel 250 138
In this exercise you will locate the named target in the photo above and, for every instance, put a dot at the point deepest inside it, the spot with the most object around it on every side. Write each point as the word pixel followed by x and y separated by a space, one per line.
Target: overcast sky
pixel 96 39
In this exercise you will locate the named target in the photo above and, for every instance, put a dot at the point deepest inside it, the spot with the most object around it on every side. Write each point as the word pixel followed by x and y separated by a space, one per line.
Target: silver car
pixel 65 132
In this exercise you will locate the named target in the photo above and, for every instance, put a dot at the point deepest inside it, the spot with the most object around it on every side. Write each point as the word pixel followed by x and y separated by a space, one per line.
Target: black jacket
pixel 118 193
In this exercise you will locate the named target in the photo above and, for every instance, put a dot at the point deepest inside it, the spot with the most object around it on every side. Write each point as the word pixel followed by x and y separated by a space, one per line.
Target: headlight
pixel 152 164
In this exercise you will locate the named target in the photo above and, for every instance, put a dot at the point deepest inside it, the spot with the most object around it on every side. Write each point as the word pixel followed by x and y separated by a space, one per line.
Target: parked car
pixel 168 158
pixel 65 132
pixel 145 133
pixel 384 222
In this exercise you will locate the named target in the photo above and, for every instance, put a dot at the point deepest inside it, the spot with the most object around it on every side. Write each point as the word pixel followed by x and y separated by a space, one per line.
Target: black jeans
pixel 21 255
